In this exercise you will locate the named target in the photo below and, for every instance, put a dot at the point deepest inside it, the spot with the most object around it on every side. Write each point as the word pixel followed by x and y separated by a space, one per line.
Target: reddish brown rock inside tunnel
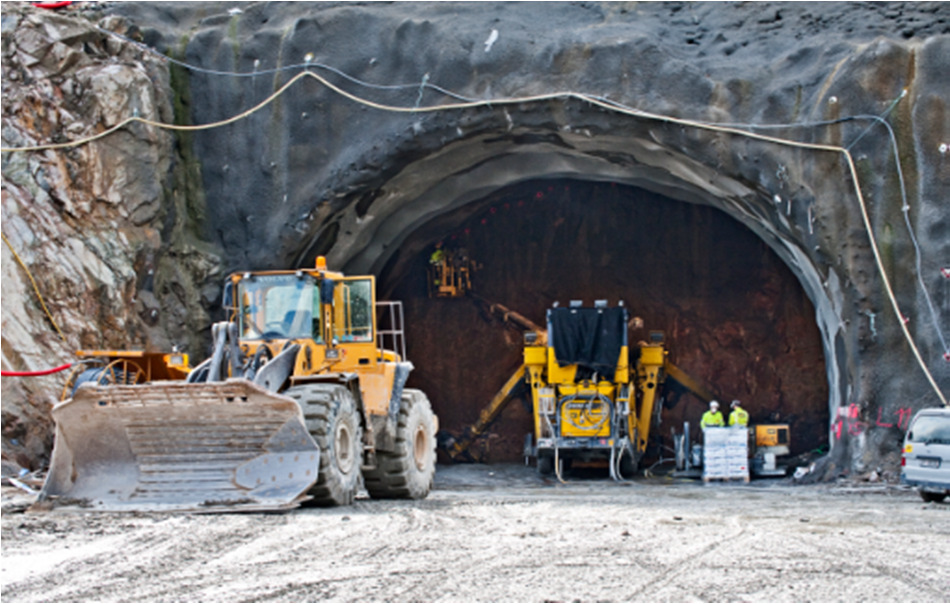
pixel 734 316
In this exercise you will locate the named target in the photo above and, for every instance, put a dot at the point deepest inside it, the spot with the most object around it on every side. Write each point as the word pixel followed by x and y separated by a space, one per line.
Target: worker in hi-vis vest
pixel 438 255
pixel 712 418
pixel 739 416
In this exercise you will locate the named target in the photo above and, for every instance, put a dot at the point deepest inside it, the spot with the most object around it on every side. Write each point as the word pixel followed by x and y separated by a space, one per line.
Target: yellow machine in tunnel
pixel 593 395
pixel 590 400
pixel 450 273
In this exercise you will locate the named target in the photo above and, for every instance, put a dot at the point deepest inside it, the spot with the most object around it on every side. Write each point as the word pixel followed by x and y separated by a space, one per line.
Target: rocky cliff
pixel 131 234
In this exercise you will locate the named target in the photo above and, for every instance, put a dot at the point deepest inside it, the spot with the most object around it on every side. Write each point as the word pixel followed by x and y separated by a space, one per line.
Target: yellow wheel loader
pixel 302 397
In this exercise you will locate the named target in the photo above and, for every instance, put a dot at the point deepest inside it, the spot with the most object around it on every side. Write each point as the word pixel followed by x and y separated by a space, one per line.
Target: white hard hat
pixel 713 404
pixel 735 403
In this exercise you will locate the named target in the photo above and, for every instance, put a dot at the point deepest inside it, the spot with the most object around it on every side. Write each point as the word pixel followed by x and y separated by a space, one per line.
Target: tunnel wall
pixel 733 315
pixel 316 173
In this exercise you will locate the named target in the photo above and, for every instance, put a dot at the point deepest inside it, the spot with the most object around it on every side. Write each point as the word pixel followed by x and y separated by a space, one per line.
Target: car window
pixel 930 429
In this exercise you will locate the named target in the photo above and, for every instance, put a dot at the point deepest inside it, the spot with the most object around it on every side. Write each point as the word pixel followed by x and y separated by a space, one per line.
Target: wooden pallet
pixel 726 478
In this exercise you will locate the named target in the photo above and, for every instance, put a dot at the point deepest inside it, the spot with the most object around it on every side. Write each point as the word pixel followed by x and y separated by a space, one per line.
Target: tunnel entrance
pixel 734 316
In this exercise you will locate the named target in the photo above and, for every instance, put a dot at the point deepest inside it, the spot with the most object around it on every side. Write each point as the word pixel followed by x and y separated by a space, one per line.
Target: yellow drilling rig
pixel 593 395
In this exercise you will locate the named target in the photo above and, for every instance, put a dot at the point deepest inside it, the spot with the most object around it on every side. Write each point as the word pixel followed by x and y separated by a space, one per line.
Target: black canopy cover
pixel 588 337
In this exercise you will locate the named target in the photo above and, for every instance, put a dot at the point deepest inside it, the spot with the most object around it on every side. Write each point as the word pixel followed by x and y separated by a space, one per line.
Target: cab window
pixel 278 307
pixel 353 310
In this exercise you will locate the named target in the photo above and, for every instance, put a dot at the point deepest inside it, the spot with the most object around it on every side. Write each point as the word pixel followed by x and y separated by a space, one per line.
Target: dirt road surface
pixel 501 533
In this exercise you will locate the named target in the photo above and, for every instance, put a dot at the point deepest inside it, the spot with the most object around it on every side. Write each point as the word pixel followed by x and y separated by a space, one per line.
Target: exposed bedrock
pixel 752 254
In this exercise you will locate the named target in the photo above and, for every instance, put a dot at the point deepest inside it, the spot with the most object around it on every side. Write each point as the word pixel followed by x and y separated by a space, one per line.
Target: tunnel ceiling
pixel 735 317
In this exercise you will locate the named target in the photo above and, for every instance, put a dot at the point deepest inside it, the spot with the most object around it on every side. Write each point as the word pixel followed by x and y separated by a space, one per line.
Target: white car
pixel 926 460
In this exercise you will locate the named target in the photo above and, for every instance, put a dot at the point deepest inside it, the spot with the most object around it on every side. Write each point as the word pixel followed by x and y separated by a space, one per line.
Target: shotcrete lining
pixel 443 182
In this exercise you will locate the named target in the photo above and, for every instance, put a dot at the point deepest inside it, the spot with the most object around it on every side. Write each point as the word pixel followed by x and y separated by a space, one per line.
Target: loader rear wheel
pixel 407 472
pixel 332 419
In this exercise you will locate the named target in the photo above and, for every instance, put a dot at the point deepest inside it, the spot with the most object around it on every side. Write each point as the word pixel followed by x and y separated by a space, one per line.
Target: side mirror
pixel 227 297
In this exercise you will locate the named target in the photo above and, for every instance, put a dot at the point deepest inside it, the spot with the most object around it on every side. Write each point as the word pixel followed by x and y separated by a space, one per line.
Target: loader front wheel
pixel 333 420
pixel 408 471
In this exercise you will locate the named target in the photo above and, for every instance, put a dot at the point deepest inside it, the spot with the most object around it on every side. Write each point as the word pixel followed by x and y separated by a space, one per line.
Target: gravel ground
pixel 501 533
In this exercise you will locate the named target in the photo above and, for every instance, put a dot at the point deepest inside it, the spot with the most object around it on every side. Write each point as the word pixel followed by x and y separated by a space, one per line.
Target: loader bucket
pixel 166 446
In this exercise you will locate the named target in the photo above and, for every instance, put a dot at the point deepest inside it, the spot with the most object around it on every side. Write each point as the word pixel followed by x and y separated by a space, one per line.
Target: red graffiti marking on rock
pixel 849 420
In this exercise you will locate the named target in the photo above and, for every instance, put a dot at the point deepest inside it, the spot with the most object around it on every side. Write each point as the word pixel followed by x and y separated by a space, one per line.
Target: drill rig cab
pixel 590 399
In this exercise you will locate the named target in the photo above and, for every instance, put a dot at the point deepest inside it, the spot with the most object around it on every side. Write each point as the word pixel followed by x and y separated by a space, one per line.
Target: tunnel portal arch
pixel 434 194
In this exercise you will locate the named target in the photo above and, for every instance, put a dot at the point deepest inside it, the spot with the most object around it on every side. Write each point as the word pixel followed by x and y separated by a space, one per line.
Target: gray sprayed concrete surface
pixel 500 533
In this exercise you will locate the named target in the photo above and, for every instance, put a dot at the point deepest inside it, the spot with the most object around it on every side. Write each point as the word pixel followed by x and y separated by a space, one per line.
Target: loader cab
pixel 295 306
pixel 278 307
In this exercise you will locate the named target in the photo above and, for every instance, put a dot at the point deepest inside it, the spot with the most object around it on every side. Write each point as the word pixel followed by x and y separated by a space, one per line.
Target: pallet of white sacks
pixel 725 455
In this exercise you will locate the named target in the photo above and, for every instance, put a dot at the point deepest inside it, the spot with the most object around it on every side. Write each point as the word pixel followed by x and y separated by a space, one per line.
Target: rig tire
pixel 628 465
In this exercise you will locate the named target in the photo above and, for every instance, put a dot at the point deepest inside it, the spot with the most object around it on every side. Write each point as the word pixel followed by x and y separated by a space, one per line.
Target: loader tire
pixel 333 421
pixel 407 472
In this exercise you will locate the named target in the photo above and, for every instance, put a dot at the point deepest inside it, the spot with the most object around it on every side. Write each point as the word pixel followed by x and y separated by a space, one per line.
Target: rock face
pixel 97 226
pixel 316 173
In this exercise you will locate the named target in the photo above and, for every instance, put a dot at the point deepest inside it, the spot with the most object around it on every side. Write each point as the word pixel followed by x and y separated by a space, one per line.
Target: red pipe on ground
pixel 51 5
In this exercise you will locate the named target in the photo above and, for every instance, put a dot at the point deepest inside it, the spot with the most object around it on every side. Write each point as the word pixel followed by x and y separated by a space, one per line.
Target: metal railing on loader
pixel 390 327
